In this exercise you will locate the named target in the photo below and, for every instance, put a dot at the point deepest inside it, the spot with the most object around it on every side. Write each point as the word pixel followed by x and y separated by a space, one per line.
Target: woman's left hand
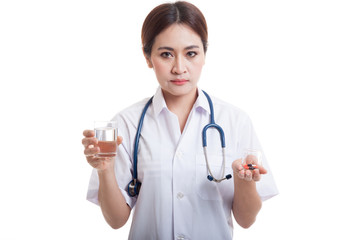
pixel 246 174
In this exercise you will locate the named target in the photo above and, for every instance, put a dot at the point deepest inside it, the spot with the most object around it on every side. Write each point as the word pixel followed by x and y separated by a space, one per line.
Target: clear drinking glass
pixel 106 134
pixel 252 159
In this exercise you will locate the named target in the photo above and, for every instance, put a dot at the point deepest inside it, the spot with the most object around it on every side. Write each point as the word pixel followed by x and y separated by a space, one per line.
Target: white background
pixel 291 65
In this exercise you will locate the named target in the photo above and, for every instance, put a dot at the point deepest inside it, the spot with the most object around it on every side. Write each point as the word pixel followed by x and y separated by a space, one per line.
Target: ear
pixel 149 63
pixel 148 60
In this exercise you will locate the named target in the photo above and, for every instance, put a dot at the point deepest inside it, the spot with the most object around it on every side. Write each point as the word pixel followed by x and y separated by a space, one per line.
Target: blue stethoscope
pixel 134 185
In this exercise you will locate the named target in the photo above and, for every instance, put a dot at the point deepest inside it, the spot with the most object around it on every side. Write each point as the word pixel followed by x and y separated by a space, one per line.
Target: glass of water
pixel 106 134
pixel 252 159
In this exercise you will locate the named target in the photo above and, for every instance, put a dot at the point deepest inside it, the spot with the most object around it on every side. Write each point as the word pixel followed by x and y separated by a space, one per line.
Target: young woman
pixel 176 199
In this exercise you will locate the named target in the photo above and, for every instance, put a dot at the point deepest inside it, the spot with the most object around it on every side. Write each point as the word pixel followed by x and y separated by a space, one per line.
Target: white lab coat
pixel 176 200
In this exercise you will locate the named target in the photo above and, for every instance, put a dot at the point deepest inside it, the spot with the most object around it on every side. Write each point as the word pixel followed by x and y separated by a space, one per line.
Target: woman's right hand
pixel 91 149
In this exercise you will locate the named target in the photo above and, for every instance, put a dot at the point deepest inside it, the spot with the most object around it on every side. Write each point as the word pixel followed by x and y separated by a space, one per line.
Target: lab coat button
pixel 180 195
pixel 179 154
pixel 180 237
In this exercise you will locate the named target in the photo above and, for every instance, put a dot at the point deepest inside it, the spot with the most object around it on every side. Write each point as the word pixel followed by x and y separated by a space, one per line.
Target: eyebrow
pixel 172 49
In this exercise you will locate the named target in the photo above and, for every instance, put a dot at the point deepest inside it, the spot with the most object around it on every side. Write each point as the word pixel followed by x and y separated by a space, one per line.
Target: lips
pixel 179 81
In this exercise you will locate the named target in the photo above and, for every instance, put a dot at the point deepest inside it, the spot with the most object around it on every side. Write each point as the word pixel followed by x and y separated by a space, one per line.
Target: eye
pixel 166 54
pixel 192 54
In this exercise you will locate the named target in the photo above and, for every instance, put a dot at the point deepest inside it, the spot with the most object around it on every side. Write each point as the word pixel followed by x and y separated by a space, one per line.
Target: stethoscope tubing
pixel 134 185
pixel 212 124
pixel 137 137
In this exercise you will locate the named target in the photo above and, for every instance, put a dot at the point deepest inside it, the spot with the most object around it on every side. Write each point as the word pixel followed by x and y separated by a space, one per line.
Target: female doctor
pixel 176 199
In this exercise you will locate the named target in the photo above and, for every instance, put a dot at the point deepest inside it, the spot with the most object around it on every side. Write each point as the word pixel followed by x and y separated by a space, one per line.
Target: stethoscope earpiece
pixel 211 178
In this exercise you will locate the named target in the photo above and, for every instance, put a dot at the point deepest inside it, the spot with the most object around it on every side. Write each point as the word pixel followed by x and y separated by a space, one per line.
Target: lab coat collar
pixel 160 104
pixel 202 102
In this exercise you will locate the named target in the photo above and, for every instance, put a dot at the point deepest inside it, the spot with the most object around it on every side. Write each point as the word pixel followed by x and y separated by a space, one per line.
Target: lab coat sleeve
pixel 123 168
pixel 122 174
pixel 266 187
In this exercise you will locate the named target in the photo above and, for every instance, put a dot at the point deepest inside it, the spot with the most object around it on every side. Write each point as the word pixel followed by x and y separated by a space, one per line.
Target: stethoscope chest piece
pixel 134 188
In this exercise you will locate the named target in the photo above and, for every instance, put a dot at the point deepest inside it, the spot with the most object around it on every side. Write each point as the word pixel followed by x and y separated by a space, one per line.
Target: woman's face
pixel 177 57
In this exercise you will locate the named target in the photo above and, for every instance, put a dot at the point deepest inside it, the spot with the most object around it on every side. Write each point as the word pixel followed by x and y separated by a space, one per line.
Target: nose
pixel 179 66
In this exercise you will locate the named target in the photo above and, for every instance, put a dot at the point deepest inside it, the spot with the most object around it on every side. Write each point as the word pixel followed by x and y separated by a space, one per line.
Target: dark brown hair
pixel 164 15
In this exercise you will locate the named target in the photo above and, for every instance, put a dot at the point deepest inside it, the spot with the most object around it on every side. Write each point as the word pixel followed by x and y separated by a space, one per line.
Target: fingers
pixel 119 140
pixel 262 170
pixel 236 165
pixel 89 141
pixel 256 175
pixel 89 133
pixel 91 150
pixel 247 174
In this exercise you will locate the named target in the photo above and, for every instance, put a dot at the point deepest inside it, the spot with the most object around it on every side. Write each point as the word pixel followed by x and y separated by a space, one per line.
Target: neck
pixel 174 103
pixel 181 105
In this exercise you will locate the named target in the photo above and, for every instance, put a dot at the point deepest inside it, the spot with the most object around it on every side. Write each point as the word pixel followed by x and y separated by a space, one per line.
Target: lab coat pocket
pixel 211 190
